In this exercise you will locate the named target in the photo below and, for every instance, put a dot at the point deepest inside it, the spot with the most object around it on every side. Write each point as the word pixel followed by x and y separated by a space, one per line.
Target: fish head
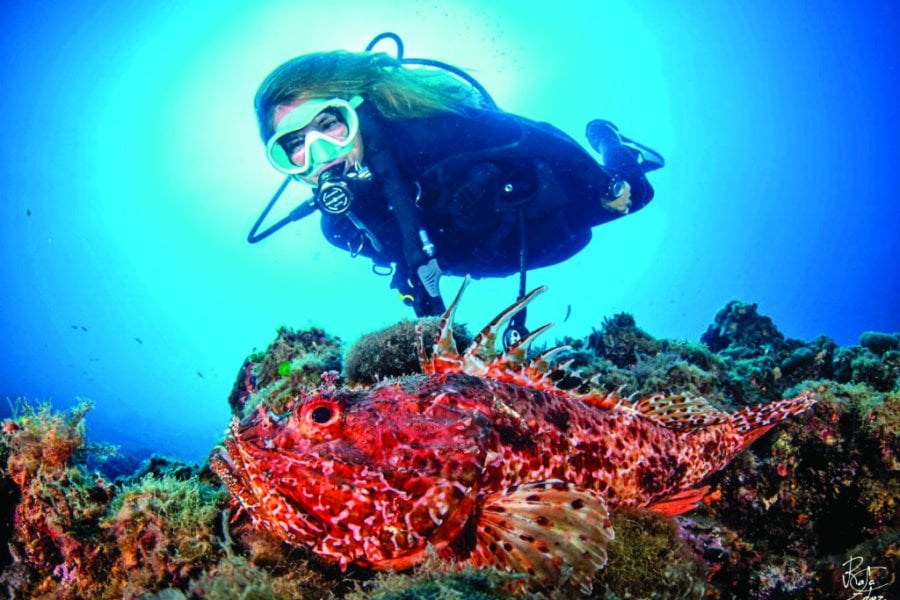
pixel 366 477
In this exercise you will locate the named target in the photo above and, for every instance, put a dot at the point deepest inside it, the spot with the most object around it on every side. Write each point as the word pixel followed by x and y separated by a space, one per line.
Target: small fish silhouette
pixel 199 374
pixel 138 340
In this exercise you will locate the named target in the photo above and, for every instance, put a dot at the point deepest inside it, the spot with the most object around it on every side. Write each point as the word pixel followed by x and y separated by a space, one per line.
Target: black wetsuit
pixel 475 184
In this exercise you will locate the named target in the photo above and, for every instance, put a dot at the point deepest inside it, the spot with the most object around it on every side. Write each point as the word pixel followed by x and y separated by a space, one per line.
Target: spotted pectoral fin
pixel 549 531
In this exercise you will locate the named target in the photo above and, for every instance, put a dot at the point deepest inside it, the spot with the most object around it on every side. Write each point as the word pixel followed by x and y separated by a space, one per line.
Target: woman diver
pixel 421 172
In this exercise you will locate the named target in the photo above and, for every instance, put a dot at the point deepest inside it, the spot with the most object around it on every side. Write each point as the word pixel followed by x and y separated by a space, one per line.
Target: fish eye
pixel 321 414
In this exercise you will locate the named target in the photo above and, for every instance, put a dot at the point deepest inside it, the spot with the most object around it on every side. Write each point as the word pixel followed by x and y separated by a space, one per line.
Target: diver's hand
pixel 620 203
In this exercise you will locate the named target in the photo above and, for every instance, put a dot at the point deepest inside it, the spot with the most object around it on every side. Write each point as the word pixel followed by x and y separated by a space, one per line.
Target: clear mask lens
pixel 320 148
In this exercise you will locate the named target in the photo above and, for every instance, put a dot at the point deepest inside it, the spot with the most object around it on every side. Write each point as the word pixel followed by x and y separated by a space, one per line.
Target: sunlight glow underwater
pixel 133 279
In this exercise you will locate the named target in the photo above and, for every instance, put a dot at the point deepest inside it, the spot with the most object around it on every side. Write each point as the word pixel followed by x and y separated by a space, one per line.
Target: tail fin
pixel 754 421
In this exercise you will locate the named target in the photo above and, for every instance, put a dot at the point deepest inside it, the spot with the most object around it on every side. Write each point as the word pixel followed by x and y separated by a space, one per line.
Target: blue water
pixel 131 172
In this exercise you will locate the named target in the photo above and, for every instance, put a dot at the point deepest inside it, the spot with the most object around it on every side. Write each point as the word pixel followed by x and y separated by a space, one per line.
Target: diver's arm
pixel 418 264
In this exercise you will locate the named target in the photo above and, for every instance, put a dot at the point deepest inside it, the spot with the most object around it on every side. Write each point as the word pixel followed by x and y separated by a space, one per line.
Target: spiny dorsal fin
pixel 543 362
pixel 444 352
pixel 424 363
pixel 482 359
pixel 519 351
pixel 540 371
pixel 542 528
pixel 608 401
pixel 681 411
pixel 486 339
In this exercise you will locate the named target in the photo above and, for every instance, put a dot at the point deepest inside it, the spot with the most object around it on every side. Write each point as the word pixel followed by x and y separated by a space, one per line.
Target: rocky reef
pixel 161 532
pixel 809 511
pixel 296 359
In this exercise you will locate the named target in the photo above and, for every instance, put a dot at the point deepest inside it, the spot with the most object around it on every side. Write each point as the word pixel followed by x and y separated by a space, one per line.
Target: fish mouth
pixel 234 465
pixel 223 458
pixel 245 479
pixel 238 462
pixel 223 465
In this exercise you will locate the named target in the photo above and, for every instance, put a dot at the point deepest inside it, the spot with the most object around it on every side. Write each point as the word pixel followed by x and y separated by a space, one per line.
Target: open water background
pixel 131 172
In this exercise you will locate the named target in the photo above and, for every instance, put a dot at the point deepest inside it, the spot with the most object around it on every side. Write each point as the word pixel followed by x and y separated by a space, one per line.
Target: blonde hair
pixel 396 91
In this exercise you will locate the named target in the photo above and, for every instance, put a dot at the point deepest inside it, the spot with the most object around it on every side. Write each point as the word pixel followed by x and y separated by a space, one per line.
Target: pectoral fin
pixel 681 502
pixel 549 531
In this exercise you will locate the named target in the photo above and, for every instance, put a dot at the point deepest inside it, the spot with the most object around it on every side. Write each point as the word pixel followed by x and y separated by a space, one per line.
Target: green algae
pixel 392 351
pixel 648 559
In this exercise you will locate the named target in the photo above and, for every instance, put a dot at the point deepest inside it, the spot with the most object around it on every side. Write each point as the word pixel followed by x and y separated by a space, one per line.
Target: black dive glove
pixel 420 290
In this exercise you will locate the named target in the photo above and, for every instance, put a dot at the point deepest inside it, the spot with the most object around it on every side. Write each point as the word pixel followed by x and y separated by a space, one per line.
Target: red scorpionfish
pixel 482 457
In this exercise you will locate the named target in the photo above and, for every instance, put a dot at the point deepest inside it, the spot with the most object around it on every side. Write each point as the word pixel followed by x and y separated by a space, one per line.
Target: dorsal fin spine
pixel 519 351
pixel 487 337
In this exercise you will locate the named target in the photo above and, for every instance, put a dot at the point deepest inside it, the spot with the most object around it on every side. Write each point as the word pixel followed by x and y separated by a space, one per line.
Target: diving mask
pixel 321 148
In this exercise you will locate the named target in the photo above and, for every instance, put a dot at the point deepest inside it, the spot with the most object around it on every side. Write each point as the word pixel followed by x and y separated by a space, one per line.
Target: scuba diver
pixel 418 170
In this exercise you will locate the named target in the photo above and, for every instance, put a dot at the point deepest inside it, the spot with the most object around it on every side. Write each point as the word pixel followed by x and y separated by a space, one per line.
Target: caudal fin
pixel 754 421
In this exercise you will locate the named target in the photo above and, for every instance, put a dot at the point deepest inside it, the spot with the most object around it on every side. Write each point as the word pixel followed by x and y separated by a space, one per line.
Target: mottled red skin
pixel 368 485
pixel 411 462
